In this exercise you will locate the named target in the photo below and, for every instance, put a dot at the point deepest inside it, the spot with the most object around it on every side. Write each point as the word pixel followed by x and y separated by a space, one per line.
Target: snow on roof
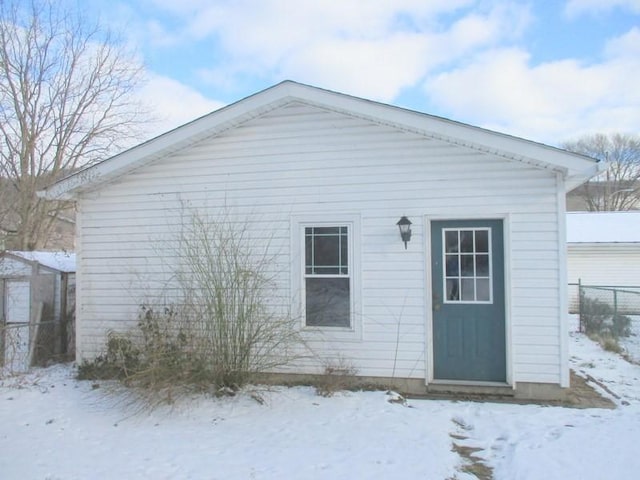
pixel 62 261
pixel 603 227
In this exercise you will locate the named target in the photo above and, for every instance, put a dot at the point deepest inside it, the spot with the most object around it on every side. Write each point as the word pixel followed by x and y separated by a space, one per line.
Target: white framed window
pixel 326 272
pixel 327 277
pixel 466 265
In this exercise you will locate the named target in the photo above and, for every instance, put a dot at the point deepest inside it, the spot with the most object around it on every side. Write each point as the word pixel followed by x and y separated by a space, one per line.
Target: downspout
pixel 64 285
pixel 3 323
pixel 563 280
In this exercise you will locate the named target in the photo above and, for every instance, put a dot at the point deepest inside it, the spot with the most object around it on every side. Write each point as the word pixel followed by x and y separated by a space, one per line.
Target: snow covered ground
pixel 631 344
pixel 53 427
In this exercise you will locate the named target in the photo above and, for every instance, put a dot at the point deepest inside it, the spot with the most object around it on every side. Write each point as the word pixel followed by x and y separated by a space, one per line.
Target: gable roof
pixel 576 168
pixel 61 261
pixel 603 227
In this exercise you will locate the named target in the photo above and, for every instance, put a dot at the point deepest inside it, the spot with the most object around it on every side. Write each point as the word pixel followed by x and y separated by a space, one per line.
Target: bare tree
pixel 66 101
pixel 7 219
pixel 618 188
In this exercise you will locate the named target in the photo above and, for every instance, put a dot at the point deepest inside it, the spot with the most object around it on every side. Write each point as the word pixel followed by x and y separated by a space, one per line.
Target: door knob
pixel 435 302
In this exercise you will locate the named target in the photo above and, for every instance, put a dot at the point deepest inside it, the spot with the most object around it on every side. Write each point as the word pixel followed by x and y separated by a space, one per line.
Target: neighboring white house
pixel 603 250
pixel 476 298
pixel 37 301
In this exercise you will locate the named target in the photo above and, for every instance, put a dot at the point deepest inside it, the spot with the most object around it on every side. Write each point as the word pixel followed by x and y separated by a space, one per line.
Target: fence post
pixel 580 293
pixel 615 303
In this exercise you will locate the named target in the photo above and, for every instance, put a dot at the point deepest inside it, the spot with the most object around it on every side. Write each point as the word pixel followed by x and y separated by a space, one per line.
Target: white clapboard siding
pixel 604 264
pixel 13 268
pixel 302 161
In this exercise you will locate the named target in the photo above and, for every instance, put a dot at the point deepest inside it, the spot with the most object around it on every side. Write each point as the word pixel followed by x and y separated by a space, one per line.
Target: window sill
pixel 333 333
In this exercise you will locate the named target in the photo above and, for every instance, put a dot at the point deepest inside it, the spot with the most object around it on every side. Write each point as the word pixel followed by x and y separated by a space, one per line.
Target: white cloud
pixel 577 7
pixel 373 49
pixel 172 103
pixel 550 101
pixel 463 49
pixel 627 45
pixel 374 69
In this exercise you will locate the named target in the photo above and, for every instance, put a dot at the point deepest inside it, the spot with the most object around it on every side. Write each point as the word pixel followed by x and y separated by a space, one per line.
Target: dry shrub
pixel 600 318
pixel 338 374
pixel 220 331
pixel 607 342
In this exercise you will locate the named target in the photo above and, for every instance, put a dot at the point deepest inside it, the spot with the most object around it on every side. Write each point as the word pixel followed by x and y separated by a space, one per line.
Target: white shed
pixel 603 250
pixel 477 297
pixel 37 301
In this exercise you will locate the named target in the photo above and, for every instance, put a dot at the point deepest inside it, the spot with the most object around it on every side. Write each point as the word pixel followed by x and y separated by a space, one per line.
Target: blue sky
pixel 545 70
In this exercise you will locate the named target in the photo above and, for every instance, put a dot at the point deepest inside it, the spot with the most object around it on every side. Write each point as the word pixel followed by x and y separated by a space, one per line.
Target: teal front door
pixel 468 291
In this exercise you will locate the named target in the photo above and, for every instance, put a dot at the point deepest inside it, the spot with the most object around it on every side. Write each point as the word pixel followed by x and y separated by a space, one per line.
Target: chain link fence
pixel 24 345
pixel 612 310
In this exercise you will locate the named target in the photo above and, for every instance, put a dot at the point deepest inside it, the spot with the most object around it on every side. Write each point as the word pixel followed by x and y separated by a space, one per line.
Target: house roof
pixel 61 261
pixel 603 227
pixel 576 168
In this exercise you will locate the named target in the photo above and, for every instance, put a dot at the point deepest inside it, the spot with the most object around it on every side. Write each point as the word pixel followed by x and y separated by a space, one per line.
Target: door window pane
pixel 451 241
pixel 467 265
pixel 453 289
pixel 482 265
pixel 466 240
pixel 452 265
pixel 482 241
pixel 468 290
pixel 483 294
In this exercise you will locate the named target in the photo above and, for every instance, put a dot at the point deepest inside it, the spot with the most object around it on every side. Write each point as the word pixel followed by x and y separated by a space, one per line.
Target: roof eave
pixel 576 179
pixel 207 126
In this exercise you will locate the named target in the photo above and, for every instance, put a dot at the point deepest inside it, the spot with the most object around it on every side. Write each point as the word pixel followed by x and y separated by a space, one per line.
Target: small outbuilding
pixel 37 300
pixel 472 294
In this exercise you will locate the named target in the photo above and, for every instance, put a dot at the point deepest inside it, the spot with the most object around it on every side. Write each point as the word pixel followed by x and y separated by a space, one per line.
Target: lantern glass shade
pixel 404 224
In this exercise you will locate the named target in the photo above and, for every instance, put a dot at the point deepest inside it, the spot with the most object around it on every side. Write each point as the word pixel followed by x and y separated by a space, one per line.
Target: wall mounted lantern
pixel 404 224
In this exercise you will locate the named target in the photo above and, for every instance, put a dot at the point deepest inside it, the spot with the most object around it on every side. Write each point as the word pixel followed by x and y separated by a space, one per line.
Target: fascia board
pixel 578 178
pixel 475 138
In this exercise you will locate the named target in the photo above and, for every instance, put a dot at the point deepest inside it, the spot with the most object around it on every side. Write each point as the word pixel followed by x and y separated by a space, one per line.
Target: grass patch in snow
pixel 607 342
pixel 472 464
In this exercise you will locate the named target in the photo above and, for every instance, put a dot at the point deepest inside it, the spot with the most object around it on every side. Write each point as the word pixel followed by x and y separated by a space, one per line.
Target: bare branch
pixel 618 188
pixel 66 100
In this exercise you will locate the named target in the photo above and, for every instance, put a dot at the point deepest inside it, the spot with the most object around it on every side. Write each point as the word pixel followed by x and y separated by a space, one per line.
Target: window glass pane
pixel 482 241
pixel 308 248
pixel 326 270
pixel 482 290
pixel 453 290
pixel 452 266
pixel 466 241
pixel 326 230
pixel 344 249
pixel 328 302
pixel 326 251
pixel 468 290
pixel 451 241
pixel 482 265
pixel 467 265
